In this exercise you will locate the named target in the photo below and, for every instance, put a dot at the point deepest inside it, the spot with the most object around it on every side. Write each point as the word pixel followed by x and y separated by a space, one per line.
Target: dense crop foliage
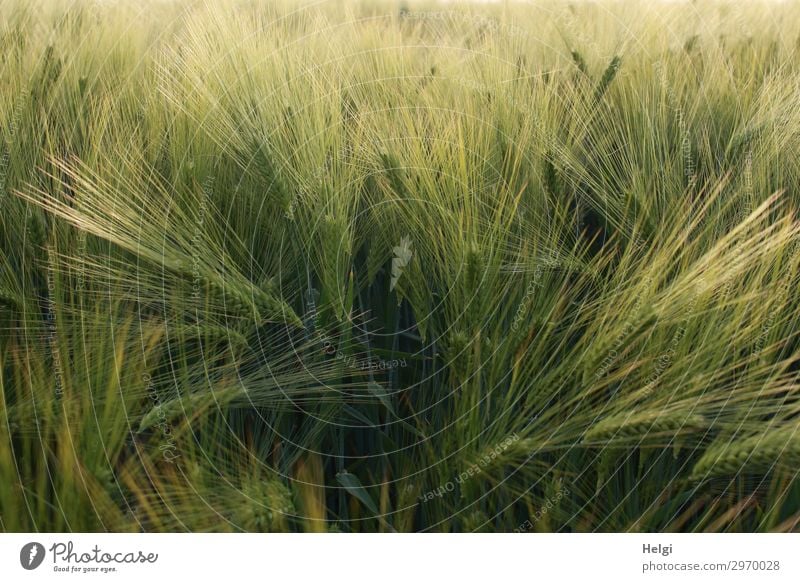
pixel 399 266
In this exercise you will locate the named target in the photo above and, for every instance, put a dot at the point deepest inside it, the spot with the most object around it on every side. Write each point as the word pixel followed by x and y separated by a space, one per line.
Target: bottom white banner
pixel 389 557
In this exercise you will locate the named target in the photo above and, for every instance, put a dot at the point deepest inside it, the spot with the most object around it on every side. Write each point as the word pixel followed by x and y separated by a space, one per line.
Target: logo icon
pixel 402 256
pixel 31 555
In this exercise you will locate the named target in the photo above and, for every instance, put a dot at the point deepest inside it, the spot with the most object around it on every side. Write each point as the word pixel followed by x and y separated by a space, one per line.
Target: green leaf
pixel 381 394
pixel 353 486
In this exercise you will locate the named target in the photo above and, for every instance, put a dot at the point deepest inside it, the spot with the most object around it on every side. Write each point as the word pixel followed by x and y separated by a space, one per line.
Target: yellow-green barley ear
pixel 607 78
pixel 754 455
pixel 579 61
pixel 643 426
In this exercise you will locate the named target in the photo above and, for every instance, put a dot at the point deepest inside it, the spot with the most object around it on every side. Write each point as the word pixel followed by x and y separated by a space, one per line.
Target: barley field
pixel 353 266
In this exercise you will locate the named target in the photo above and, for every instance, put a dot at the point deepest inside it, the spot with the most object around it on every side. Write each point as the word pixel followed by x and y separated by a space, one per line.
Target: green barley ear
pixel 221 294
pixel 577 58
pixel 186 406
pixel 273 308
pixel 9 298
pixel 551 181
pixel 213 334
pixel 48 73
pixel 607 78
pixel 456 353
pixel 36 230
pixel 270 173
pixel 757 454
pixel 267 306
pixel 626 427
pixel 266 505
pixel 407 496
pixel 395 173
